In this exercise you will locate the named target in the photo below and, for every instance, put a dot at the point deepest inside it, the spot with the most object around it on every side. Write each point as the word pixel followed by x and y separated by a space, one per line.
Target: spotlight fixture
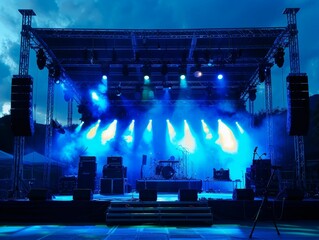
pixel 104 70
pixel 41 59
pixel 279 57
pixel 252 94
pixel 182 71
pixel 119 90
pixel 220 76
pixel 198 73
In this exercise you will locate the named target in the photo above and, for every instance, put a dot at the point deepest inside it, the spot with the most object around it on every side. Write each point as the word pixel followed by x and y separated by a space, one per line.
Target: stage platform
pixel 65 210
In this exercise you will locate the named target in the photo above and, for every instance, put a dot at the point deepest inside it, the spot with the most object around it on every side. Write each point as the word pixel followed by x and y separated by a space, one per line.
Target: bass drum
pixel 167 172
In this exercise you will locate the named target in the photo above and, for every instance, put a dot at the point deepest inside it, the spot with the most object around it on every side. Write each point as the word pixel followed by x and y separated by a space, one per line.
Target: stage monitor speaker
pixel 298 110
pixel 293 194
pixel 187 195
pixel 148 195
pixel 39 194
pixel 22 123
pixel 82 194
pixel 243 194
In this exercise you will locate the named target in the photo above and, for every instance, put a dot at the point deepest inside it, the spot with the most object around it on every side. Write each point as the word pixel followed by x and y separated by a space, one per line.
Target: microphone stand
pixel 265 201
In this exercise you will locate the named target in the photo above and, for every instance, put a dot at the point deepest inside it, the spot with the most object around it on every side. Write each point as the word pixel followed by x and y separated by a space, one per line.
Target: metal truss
pixel 23 71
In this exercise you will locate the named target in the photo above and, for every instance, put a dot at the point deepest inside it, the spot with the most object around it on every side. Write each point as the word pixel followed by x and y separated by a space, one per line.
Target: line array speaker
pixel 298 111
pixel 21 106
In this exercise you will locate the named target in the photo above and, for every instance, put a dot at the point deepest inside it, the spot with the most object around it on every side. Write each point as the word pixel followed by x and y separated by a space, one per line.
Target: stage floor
pixel 134 196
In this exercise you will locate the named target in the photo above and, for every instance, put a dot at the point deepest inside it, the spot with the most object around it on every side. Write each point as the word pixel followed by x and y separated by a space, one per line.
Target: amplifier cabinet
pixel 113 185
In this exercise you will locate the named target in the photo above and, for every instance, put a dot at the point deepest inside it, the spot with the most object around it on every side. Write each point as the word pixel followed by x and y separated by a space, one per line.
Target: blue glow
pixel 208 134
pixel 129 133
pixel 188 141
pixel 226 139
pixel 171 131
pixel 104 77
pixel 109 133
pixel 183 82
pixel 95 96
pixel 79 127
pixel 148 133
pixel 241 130
pixel 92 132
pixel 146 77
pixel 220 76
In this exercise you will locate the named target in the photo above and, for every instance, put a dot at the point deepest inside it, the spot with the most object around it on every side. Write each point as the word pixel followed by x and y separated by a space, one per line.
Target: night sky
pixel 157 14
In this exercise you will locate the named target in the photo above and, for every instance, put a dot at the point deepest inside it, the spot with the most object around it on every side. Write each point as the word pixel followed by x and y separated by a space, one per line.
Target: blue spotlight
pixel 148 133
pixel 208 134
pixel 109 133
pixel 146 77
pixel 171 131
pixel 220 76
pixel 104 77
pixel 129 133
pixel 188 141
pixel 95 96
pixel 241 130
pixel 226 139
pixel 182 77
pixel 79 127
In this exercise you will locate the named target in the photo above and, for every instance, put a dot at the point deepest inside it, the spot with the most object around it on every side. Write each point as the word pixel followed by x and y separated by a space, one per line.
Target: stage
pixel 65 210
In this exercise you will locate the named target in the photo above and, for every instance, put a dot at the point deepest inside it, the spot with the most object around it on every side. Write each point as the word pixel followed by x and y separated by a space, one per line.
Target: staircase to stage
pixel 159 213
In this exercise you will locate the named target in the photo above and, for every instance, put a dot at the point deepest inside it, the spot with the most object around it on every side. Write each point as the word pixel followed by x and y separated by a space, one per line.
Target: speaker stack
pixel 114 179
pixel 21 106
pixel 298 112
pixel 87 173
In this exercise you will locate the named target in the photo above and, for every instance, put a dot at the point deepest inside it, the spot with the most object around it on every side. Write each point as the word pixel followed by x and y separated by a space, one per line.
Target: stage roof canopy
pixel 83 55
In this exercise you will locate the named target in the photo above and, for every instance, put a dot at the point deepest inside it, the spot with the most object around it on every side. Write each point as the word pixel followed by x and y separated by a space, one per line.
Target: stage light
pixel 146 77
pixel 198 73
pixel 188 141
pixel 129 133
pixel 171 131
pixel 41 59
pixel 109 133
pixel 146 69
pixel 208 134
pixel 279 57
pixel 119 90
pixel 94 96
pixel 252 94
pixel 226 140
pixel 92 132
pixel 220 76
pixel 148 133
pixel 79 127
pixel 241 130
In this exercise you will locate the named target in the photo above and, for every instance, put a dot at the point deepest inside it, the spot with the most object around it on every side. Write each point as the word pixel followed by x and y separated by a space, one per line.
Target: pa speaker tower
pixel 298 110
pixel 21 106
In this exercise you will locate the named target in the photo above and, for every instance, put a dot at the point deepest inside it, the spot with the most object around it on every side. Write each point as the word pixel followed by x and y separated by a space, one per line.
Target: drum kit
pixel 168 169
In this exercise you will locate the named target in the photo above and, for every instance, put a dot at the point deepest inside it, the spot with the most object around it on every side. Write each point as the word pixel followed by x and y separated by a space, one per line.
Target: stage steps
pixel 159 213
